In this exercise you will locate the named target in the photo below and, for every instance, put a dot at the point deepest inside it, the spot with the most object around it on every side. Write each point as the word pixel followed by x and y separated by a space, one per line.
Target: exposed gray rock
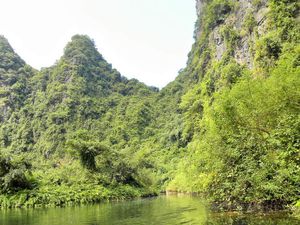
pixel 219 43
pixel 242 52
pixel 260 18
pixel 244 6
pixel 199 6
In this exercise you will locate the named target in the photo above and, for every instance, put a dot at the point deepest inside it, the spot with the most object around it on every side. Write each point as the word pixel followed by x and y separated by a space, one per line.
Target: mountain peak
pixel 81 49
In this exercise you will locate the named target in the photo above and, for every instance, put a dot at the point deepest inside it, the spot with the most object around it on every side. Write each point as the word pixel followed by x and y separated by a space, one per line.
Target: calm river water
pixel 163 210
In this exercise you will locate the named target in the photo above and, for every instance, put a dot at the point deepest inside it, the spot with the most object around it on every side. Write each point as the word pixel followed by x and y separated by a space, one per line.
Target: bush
pixel 14 175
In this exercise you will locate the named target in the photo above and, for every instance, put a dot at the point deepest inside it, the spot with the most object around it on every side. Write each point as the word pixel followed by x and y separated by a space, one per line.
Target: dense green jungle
pixel 227 128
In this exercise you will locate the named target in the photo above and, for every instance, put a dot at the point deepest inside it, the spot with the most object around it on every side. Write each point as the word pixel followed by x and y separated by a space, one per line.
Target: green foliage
pixel 250 150
pixel 249 22
pixel 250 119
pixel 14 175
pixel 87 148
pixel 216 12
pixel 230 36
pixel 257 3
pixel 10 60
pixel 268 50
pixel 54 196
pixel 283 13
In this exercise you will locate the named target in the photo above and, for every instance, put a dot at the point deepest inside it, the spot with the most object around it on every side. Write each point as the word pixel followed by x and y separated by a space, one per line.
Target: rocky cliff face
pixel 246 18
pixel 199 6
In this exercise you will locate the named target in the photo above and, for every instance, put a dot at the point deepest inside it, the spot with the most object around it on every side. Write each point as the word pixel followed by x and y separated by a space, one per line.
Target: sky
pixel 144 39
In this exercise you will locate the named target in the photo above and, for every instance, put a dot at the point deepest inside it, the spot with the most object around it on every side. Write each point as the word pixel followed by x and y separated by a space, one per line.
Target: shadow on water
pixel 165 210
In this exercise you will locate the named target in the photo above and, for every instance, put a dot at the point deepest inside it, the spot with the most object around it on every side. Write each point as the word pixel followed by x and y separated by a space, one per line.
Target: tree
pixel 87 148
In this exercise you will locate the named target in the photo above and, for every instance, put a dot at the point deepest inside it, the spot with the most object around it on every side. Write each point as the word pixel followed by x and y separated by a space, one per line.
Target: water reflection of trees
pixel 252 219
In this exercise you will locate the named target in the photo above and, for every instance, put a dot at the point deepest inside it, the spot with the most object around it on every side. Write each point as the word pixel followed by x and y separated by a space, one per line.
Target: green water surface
pixel 164 210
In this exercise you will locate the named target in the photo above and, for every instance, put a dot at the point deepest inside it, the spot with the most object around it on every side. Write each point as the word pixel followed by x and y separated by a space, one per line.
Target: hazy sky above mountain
pixel 144 39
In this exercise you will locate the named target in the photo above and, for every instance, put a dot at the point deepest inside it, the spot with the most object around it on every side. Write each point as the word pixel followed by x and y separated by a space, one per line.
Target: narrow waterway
pixel 164 210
